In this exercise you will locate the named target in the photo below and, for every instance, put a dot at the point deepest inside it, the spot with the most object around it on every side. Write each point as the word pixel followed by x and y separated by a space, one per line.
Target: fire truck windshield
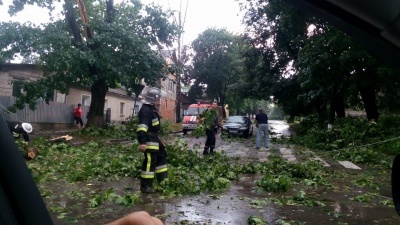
pixel 194 111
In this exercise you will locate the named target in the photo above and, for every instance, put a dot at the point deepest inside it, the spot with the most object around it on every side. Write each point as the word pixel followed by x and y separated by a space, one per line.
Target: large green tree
pixel 217 63
pixel 329 71
pixel 332 65
pixel 98 45
pixel 277 33
pixel 344 74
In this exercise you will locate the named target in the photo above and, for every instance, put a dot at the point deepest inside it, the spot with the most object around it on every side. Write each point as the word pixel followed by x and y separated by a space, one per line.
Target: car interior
pixel 376 24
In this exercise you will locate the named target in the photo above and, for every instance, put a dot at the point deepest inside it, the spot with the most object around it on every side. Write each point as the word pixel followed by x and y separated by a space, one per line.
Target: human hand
pixel 137 218
pixel 142 148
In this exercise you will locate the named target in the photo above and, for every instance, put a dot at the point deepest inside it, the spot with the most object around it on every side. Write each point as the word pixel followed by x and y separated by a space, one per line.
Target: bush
pixel 347 132
pixel 280 174
pixel 275 183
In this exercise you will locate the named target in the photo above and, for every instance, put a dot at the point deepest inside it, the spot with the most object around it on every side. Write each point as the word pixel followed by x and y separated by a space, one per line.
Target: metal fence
pixel 54 112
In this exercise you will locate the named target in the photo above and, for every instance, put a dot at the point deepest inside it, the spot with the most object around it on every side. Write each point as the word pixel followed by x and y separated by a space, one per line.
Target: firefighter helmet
pixel 153 95
pixel 27 127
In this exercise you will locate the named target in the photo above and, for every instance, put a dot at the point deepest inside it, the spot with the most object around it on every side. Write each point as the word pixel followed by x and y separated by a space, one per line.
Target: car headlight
pixel 242 128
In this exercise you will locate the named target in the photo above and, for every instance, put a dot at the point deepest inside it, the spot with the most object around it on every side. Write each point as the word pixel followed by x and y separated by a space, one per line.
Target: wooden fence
pixel 54 112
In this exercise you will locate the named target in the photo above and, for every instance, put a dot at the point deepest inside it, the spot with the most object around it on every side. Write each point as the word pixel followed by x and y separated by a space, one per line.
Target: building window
pixel 85 100
pixel 17 89
pixel 166 104
pixel 50 96
pixel 136 110
pixel 171 86
pixel 121 108
pixel 60 97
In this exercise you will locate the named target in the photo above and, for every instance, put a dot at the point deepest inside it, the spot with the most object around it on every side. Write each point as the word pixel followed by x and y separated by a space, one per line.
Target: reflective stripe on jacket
pixel 17 130
pixel 148 128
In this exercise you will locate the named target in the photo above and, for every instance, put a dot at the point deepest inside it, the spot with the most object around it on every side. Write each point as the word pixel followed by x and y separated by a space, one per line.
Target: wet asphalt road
pixel 237 146
pixel 234 206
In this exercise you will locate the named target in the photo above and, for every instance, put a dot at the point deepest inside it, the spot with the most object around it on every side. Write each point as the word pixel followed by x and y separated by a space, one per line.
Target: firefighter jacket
pixel 17 130
pixel 148 128
pixel 215 123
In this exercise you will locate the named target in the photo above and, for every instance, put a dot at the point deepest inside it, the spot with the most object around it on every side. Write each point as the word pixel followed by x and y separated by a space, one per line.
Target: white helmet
pixel 27 127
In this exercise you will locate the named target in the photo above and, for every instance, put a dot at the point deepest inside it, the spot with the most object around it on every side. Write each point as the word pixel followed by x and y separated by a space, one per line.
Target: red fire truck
pixel 191 118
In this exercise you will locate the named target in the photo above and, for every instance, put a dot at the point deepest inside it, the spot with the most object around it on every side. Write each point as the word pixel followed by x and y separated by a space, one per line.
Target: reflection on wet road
pixel 234 205
pixel 231 207
pixel 279 128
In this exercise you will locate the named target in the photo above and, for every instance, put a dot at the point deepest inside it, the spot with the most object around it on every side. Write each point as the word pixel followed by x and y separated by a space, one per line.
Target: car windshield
pixel 235 119
pixel 195 111
pixel 202 110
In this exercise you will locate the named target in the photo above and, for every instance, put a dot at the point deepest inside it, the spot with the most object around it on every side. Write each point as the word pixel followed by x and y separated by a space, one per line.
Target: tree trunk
pixel 70 18
pixel 336 108
pixel 339 105
pixel 222 104
pixel 178 114
pixel 368 98
pixel 180 65
pixel 96 111
pixel 110 11
pixel 332 106
pixel 368 95
pixel 319 107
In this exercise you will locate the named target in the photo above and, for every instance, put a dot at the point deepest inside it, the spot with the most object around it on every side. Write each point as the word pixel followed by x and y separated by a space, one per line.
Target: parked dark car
pixel 239 125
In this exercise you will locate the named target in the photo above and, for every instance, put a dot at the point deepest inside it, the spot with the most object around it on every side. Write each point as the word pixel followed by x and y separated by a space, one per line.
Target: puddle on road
pixel 231 207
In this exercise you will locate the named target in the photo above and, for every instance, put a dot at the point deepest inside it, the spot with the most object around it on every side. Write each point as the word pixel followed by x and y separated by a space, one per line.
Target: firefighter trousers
pixel 154 165
pixel 210 141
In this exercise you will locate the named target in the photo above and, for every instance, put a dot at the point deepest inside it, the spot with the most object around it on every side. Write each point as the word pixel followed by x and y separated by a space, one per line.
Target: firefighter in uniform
pixel 20 129
pixel 155 155
pixel 210 133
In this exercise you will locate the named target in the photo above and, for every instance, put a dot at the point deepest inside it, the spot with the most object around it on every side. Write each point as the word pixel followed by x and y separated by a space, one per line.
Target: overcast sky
pixel 201 14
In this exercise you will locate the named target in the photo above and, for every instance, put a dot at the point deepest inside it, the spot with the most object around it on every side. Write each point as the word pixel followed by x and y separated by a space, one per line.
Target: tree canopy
pixel 307 65
pixel 310 66
pixel 217 64
pixel 109 46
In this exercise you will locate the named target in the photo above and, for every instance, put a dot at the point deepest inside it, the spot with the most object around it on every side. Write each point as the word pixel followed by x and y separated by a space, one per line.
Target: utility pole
pixel 179 64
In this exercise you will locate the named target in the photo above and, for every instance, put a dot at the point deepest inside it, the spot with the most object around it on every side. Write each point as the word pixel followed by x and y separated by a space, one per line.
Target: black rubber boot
pixel 205 152
pixel 146 186
pixel 212 151
pixel 161 176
